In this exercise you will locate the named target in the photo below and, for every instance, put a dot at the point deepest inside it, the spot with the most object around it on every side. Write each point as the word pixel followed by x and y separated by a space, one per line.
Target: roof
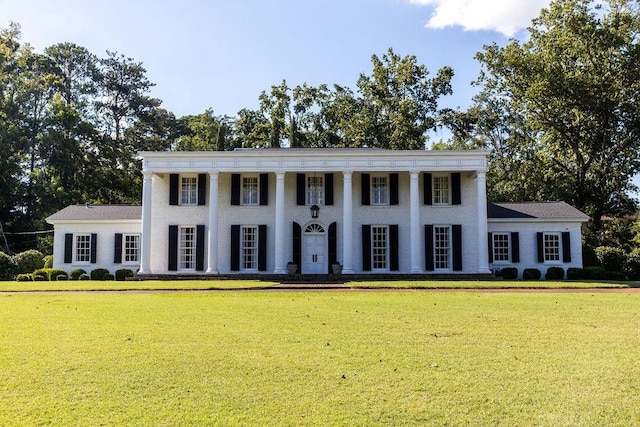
pixel 97 213
pixel 534 210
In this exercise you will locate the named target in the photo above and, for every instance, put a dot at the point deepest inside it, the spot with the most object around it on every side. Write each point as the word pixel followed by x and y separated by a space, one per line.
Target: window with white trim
pixel 380 190
pixel 551 247
pixel 250 190
pixel 187 248
pixel 188 190
pixel 83 248
pixel 441 190
pixel 131 248
pixel 442 247
pixel 249 247
pixel 501 247
pixel 315 190
pixel 379 247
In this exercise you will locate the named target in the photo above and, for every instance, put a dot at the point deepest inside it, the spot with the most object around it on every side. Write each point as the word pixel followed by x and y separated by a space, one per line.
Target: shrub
pixel 39 278
pixel 594 273
pixel 589 257
pixel 48 261
pixel 24 278
pixel 531 274
pixel 84 276
pixel 554 273
pixel 29 261
pixel 632 265
pixel 509 273
pixel 123 273
pixel 98 273
pixel 108 276
pixel 42 272
pixel 75 274
pixel 7 267
pixel 610 258
pixel 62 277
pixel 615 275
pixel 55 272
pixel 575 273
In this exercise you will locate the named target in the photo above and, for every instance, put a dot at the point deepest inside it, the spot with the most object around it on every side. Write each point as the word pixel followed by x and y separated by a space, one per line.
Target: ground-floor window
pixel 249 247
pixel 187 248
pixel 131 248
pixel 500 247
pixel 442 247
pixel 379 247
pixel 551 247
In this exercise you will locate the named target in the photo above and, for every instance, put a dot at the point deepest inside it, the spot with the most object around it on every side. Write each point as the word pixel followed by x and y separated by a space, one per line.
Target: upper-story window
pixel 441 190
pixel 250 190
pixel 188 190
pixel 315 190
pixel 380 190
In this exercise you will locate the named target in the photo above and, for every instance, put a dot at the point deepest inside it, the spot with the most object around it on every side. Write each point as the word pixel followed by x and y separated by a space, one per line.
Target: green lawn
pixel 320 358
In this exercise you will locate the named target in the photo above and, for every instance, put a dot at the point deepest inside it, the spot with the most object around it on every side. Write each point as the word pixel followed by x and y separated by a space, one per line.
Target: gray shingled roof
pixel 534 210
pixel 97 213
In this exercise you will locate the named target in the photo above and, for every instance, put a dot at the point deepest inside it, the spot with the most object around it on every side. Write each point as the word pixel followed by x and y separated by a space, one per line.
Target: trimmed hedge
pixel 574 273
pixel 108 277
pixel 48 261
pixel 531 274
pixel 99 273
pixel 76 273
pixel 84 276
pixel 56 273
pixel 28 261
pixel 24 278
pixel 123 273
pixel 509 273
pixel 594 273
pixel 554 273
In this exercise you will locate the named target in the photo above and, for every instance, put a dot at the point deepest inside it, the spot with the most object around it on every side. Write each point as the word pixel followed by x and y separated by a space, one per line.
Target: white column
pixel 279 231
pixel 414 221
pixel 145 249
pixel 347 224
pixel 212 248
pixel 483 250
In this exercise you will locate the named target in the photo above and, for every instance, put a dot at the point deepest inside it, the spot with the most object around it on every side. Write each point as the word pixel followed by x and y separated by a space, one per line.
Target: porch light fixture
pixel 315 210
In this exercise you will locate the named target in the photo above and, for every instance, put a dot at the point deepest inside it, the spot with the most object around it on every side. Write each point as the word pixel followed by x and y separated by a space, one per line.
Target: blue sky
pixel 221 54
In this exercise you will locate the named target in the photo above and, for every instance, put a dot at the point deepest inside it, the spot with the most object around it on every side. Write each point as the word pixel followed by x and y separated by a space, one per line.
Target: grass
pixel 320 358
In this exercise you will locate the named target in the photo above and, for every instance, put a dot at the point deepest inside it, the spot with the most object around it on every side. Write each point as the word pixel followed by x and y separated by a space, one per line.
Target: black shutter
pixel 94 248
pixel 264 189
pixel 200 247
pixel 456 237
pixel 393 189
pixel 173 248
pixel 202 189
pixel 328 189
pixel 235 189
pixel 428 189
pixel 333 245
pixel 366 189
pixel 393 248
pixel 515 247
pixel 297 246
pixel 117 249
pixel 301 185
pixel 262 248
pixel 456 193
pixel 68 248
pixel 173 189
pixel 235 248
pixel 366 247
pixel 428 247
pixel 540 240
pixel 566 246
pixel 490 244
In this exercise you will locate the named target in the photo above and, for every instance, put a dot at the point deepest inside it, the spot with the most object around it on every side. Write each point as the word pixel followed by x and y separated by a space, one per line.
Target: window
pixel 379 190
pixel 441 190
pixel 379 248
pixel 83 248
pixel 249 248
pixel 249 190
pixel 315 190
pixel 551 247
pixel 442 247
pixel 188 190
pixel 501 247
pixel 187 248
pixel 131 248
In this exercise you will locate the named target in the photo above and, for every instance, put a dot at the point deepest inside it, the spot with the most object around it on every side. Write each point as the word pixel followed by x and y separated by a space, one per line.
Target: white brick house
pixel 371 210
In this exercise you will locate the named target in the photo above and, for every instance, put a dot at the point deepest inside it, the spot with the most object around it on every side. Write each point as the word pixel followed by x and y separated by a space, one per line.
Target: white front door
pixel 313 254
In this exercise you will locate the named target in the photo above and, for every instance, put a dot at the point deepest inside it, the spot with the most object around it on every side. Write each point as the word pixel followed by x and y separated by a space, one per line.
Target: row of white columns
pixel 347 220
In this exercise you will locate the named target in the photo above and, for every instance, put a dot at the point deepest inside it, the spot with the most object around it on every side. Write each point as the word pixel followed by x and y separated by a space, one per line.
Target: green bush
pixel 509 273
pixel 554 273
pixel 76 273
pixel 108 276
pixel 29 261
pixel 610 258
pixel 99 273
pixel 84 276
pixel 42 272
pixel 632 265
pixel 594 273
pixel 531 274
pixel 123 273
pixel 61 277
pixel 24 278
pixel 39 278
pixel 7 267
pixel 589 257
pixel 574 273
pixel 615 275
pixel 54 273
pixel 48 261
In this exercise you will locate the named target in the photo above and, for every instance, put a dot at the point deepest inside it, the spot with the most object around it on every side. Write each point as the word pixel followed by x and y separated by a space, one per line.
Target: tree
pixel 575 86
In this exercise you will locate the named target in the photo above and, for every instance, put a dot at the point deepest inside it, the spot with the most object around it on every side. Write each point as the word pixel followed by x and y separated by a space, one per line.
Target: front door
pixel 314 248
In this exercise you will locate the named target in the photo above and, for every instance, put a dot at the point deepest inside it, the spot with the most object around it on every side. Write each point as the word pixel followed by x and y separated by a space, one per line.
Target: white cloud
pixel 504 16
